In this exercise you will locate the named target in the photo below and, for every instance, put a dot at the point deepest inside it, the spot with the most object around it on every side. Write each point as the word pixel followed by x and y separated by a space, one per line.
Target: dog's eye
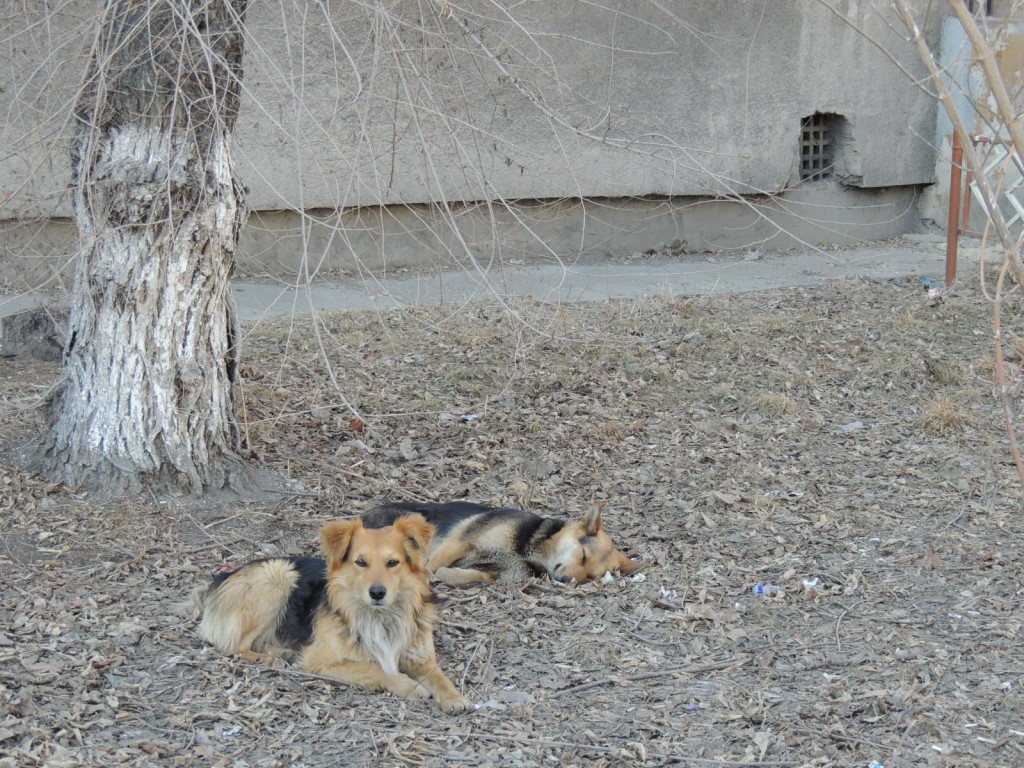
pixel 361 562
pixel 392 563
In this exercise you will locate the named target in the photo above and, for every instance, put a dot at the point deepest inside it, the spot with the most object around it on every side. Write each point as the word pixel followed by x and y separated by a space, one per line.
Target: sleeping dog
pixel 475 543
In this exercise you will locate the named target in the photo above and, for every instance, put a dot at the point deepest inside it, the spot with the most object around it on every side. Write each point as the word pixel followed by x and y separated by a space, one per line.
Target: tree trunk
pixel 146 397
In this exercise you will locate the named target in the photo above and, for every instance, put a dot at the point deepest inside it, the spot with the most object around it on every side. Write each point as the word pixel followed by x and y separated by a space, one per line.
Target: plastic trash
pixel 768 590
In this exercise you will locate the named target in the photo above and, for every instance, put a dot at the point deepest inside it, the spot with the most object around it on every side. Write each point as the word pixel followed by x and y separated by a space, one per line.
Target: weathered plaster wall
pixel 639 103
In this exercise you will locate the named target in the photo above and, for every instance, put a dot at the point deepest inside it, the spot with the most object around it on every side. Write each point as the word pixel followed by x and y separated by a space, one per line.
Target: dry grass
pixel 943 418
pixel 775 404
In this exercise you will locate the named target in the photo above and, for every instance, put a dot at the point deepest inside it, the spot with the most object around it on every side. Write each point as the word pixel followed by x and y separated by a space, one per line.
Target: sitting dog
pixel 475 543
pixel 363 616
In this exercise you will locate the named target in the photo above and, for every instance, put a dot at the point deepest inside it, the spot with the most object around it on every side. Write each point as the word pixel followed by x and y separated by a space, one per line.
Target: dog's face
pixel 378 565
pixel 584 552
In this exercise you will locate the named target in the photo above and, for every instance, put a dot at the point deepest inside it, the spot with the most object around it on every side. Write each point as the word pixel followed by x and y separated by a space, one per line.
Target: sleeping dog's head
pixel 583 552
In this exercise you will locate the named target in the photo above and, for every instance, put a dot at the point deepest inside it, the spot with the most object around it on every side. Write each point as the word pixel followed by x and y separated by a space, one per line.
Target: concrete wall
pixel 354 108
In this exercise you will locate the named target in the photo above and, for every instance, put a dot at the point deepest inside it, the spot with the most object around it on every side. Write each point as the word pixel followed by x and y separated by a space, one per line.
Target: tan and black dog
pixel 363 616
pixel 477 543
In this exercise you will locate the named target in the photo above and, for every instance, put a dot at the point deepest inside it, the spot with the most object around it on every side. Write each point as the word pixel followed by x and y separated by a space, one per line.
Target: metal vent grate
pixel 817 161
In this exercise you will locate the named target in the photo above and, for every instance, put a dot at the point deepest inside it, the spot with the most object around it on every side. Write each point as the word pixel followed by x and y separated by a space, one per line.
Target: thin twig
pixel 469 661
pixel 713 667
pixel 839 621
pixel 663 673
pixel 584 687
pixel 534 742
pixel 728 763
pixel 841 737
pixel 1004 388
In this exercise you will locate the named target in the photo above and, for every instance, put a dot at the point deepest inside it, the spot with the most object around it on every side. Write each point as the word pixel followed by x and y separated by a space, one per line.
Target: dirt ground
pixel 842 444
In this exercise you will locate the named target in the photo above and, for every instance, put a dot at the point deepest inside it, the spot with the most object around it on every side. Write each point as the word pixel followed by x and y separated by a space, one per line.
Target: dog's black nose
pixel 378 592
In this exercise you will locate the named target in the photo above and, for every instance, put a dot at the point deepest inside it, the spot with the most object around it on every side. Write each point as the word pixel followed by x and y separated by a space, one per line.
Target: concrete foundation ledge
pixel 329 244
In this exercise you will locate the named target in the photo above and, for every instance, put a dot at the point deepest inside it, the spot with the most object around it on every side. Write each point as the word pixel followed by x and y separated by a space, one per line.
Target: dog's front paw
pixel 404 686
pixel 455 705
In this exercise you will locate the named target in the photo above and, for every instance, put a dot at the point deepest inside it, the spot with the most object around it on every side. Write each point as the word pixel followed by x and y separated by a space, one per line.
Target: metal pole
pixel 953 218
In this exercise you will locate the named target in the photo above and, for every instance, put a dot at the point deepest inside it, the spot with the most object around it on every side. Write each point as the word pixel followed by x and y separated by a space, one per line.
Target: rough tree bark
pixel 146 396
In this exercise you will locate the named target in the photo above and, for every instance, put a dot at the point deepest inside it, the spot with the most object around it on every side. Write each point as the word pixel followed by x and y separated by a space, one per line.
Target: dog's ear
pixel 592 521
pixel 335 538
pixel 416 535
pixel 625 564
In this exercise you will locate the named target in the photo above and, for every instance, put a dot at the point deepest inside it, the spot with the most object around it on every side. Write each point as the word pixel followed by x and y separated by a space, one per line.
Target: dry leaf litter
pixel 818 481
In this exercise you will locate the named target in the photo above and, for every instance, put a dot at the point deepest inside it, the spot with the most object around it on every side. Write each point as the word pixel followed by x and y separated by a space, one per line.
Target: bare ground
pixel 842 443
